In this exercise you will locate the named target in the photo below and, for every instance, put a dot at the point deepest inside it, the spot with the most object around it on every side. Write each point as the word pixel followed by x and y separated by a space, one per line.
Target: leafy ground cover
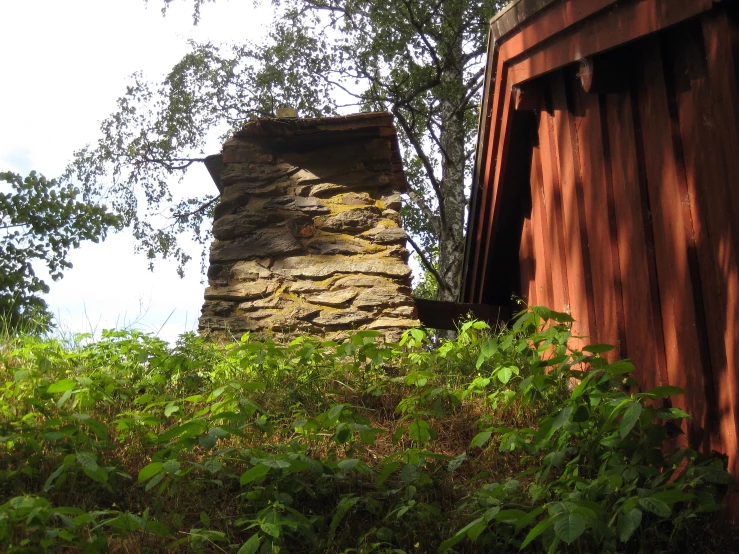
pixel 500 441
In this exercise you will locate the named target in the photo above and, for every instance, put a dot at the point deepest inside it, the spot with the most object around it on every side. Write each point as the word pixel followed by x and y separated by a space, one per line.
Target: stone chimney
pixel 307 231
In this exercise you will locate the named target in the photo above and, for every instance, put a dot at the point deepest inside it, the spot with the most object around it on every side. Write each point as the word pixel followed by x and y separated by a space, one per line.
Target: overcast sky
pixel 63 65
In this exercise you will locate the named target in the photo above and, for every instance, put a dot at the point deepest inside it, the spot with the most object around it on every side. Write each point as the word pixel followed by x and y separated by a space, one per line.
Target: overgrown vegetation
pixel 499 441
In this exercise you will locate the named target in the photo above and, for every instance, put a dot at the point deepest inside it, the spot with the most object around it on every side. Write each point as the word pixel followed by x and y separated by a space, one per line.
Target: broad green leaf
pixel 583 384
pixel 420 431
pixel 171 466
pixel 157 529
pixel 481 439
pixel 154 481
pixel 149 471
pixel 568 527
pixel 665 391
pixel 673 413
pixel 505 373
pixel 57 472
pixel 628 523
pixel 455 462
pixel 629 419
pixel 254 473
pixel 452 541
pixel 598 348
pixel 170 409
pixel 87 461
pixel 335 411
pixel 656 506
pixel 348 464
pixel 61 386
pixel 540 527
pixel 477 529
pixel 251 546
pixel 344 506
pixel 510 516
pixel 562 417
pixel 673 496
pixel 620 367
pixel 271 529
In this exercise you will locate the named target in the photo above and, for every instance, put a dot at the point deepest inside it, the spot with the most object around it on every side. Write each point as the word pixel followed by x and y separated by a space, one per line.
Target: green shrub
pixel 498 441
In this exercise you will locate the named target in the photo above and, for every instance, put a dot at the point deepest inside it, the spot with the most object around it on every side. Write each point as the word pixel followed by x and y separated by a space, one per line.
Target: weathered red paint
pixel 633 222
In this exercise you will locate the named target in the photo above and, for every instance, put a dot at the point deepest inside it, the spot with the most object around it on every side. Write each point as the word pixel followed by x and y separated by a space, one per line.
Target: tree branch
pixel 428 265
pixel 421 203
pixel 169 163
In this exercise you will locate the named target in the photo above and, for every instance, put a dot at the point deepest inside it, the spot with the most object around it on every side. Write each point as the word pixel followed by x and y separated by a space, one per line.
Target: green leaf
pixel 157 529
pixel 61 386
pixel 251 546
pixel 562 417
pixel 388 470
pixel 510 516
pixel 171 466
pixel 673 413
pixel 481 439
pixel 254 473
pixel 673 496
pixel 540 527
pixel 348 464
pixel 170 409
pixel 629 419
pixel 656 506
pixel 344 506
pixel 452 541
pixel 477 529
pixel 598 348
pixel 420 431
pixel 620 367
pixel 87 461
pixel 568 527
pixel 335 411
pixel 271 529
pixel 505 373
pixel 455 462
pixel 149 471
pixel 665 391
pixel 628 523
pixel 583 384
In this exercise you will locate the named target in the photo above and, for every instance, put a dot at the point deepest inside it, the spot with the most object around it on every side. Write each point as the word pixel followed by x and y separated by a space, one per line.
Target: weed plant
pixel 498 441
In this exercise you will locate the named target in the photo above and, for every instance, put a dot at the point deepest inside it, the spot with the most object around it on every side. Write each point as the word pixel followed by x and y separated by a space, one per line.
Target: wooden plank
pixel 552 208
pixel 494 172
pixel 527 264
pixel 446 315
pixel 604 31
pixel 605 278
pixel 575 239
pixel 644 337
pixel 548 23
pixel 485 213
pixel 477 196
pixel 706 98
pixel 542 254
pixel 685 365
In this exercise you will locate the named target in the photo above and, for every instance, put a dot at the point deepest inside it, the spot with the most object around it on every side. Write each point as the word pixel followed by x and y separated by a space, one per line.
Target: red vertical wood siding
pixel 634 217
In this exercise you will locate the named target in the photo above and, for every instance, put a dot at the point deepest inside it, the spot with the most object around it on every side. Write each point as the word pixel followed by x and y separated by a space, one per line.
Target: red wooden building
pixel 607 186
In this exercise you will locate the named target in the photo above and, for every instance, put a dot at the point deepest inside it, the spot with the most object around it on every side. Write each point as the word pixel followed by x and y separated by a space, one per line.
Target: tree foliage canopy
pixel 422 60
pixel 41 220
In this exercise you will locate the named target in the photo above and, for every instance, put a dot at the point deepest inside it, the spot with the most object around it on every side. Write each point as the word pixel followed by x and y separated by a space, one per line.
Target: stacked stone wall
pixel 307 232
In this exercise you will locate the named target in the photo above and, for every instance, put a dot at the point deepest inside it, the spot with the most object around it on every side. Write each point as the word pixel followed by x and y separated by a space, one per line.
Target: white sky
pixel 63 65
